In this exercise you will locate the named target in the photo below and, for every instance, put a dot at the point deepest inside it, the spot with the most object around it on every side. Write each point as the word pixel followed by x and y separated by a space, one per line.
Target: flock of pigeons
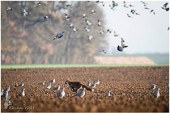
pixel 80 92
pixel 112 6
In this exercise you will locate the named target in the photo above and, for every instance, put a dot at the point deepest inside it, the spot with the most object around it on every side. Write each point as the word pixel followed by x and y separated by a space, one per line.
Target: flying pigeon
pixel 84 15
pixel 8 9
pixel 115 34
pixel 93 11
pixel 129 16
pixel 88 22
pixel 46 17
pixel 87 29
pixel 165 7
pixel 59 35
pixel 109 31
pixel 120 48
pixel 24 12
pixel 152 11
pixel 67 17
pixel 90 37
pixel 99 23
pixel 104 51
pixel 71 25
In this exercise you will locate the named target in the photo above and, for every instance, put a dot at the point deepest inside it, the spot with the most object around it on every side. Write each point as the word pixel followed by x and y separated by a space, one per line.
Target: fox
pixel 76 85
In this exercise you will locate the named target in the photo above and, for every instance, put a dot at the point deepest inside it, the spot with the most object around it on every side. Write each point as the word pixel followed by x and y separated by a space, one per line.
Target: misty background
pixel 28 39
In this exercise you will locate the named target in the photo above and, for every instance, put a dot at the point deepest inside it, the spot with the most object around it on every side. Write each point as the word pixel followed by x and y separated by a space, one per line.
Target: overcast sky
pixel 146 33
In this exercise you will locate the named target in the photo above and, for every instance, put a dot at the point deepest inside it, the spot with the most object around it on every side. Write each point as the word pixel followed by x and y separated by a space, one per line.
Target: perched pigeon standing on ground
pixel 81 93
pixel 97 82
pixel 57 87
pixel 93 11
pixel 53 81
pixel 49 85
pixel 89 84
pixel 61 94
pixel 157 93
pixel 7 103
pixel 22 94
pixel 21 84
pixel 120 48
pixel 2 91
pixel 153 86
pixel 59 35
pixel 43 83
pixel 108 94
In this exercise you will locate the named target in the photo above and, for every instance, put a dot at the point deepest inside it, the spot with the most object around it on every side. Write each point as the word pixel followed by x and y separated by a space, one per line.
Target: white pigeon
pixel 89 84
pixel 81 93
pixel 157 93
pixel 84 15
pixel 71 25
pixel 21 85
pixel 2 92
pixel 74 29
pixel 108 94
pixel 99 23
pixel 90 37
pixel 8 9
pixel 87 29
pixel 97 82
pixel 61 94
pixel 49 85
pixel 57 87
pixel 53 81
pixel 43 83
pixel 88 22
pixel 8 89
pixel 93 85
pixel 23 92
pixel 153 86
pixel 7 103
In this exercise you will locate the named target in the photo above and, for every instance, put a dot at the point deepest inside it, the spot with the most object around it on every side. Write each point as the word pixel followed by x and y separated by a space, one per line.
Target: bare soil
pixel 130 87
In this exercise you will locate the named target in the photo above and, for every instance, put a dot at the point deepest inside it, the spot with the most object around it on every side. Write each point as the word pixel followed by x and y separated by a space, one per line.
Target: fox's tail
pixel 87 88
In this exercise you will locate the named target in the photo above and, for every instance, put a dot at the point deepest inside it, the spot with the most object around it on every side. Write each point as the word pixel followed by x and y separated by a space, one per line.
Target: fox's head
pixel 67 81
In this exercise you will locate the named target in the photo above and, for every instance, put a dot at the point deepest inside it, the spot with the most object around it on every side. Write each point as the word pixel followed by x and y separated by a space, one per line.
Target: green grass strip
pixel 12 66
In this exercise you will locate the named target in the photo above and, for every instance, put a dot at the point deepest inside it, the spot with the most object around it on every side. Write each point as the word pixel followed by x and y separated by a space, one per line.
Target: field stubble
pixel 129 87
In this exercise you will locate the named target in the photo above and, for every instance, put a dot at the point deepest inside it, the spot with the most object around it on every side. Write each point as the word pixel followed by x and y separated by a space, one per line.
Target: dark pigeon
pixel 59 35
